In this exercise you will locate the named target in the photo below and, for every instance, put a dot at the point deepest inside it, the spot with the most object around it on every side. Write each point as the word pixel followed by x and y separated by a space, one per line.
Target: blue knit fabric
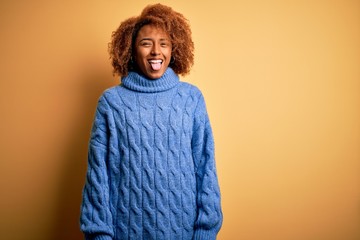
pixel 151 168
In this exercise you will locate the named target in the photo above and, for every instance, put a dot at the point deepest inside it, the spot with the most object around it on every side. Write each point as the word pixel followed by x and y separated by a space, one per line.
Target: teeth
pixel 155 61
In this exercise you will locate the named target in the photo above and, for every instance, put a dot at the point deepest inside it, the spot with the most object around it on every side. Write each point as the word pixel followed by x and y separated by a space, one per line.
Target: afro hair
pixel 164 17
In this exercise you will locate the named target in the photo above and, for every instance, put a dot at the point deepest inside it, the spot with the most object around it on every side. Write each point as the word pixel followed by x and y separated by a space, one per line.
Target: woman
pixel 151 168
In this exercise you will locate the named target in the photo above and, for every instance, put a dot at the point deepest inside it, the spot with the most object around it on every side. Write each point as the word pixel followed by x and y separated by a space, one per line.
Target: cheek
pixel 139 57
pixel 167 53
pixel 138 54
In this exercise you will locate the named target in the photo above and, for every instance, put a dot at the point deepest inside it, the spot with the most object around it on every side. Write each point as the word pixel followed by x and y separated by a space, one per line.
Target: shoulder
pixel 110 93
pixel 109 97
pixel 190 89
pixel 194 97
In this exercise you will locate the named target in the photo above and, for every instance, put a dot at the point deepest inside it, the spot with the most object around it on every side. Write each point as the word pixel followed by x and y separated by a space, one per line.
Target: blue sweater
pixel 151 169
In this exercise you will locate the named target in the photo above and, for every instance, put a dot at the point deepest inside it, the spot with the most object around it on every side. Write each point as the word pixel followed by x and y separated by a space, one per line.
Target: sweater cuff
pixel 98 237
pixel 102 237
pixel 201 234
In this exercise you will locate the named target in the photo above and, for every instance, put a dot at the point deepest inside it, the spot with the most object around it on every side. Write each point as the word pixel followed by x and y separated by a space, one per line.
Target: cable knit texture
pixel 151 167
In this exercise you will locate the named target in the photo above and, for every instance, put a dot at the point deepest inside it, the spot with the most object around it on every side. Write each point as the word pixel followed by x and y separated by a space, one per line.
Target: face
pixel 152 51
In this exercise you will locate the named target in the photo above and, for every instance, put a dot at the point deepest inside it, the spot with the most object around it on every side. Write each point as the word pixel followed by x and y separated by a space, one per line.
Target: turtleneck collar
pixel 139 83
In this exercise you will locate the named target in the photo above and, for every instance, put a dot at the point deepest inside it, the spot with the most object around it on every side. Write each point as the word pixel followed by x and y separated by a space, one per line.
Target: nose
pixel 155 50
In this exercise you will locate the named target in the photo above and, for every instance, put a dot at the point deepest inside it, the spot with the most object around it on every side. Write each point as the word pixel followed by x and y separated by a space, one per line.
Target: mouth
pixel 155 64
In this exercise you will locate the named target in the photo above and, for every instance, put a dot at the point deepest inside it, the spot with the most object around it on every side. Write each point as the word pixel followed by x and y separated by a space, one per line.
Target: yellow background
pixel 282 85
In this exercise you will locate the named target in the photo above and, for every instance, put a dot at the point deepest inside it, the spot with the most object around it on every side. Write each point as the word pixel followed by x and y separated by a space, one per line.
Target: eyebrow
pixel 150 39
pixel 145 39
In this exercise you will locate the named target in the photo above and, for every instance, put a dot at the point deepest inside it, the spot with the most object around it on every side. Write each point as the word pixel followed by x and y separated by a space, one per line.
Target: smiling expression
pixel 152 51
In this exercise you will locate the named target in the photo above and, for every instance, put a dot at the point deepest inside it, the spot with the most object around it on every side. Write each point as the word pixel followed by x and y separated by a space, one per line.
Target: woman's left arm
pixel 209 219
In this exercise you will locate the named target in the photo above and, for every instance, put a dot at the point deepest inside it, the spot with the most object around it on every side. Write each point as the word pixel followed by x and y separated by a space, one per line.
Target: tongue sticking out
pixel 155 66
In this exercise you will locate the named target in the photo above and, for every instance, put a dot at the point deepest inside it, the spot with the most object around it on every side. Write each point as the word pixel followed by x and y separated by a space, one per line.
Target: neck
pixel 140 83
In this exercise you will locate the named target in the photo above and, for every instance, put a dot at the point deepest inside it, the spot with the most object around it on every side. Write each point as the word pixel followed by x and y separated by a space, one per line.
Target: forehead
pixel 150 31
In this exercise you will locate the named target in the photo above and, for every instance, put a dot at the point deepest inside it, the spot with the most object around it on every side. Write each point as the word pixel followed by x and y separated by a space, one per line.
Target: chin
pixel 155 75
pixel 152 77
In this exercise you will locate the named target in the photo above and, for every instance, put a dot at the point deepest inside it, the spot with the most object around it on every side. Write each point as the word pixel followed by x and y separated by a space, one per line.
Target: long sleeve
pixel 96 219
pixel 209 218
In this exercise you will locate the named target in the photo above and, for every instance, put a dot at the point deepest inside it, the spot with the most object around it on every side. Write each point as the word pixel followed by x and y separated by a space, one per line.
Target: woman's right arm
pixel 95 218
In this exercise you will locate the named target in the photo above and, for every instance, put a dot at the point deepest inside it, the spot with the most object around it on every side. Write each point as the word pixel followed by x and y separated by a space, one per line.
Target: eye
pixel 146 43
pixel 164 44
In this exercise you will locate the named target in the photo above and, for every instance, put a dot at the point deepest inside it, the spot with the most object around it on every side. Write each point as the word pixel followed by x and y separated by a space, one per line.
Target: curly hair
pixel 175 24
